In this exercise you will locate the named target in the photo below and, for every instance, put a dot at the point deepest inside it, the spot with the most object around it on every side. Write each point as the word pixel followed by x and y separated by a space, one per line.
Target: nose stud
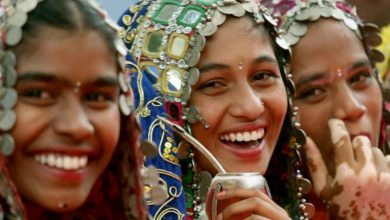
pixel 339 73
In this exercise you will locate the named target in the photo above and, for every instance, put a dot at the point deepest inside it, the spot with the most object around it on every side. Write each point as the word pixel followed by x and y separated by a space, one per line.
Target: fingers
pixel 379 160
pixel 362 148
pixel 245 193
pixel 387 157
pixel 250 202
pixel 342 143
pixel 317 167
pixel 256 217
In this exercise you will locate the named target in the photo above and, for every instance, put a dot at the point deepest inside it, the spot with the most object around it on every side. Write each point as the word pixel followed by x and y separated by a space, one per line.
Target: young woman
pixel 340 105
pixel 67 151
pixel 216 68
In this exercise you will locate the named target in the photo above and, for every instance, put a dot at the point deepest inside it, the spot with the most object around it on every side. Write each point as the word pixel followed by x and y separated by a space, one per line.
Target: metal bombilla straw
pixel 186 136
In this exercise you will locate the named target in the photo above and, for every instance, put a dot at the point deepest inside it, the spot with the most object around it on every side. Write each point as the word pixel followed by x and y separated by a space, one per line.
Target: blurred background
pixel 115 7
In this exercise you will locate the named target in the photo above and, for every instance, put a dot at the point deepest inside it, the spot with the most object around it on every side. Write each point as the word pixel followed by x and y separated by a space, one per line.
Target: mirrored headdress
pixel 165 39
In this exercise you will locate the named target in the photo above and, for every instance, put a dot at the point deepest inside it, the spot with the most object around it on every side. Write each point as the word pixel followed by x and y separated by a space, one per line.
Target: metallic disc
pixel 309 210
pixel 124 105
pixel 290 86
pixel 27 5
pixel 150 175
pixel 351 24
pixel 204 184
pixel 218 18
pixel 9 58
pixel 208 29
pixel 186 93
pixel 250 6
pixel 149 149
pixel 14 35
pixel 192 114
pixel 8 119
pixel 122 83
pixel 303 15
pixel 326 12
pixel 10 76
pixel 158 195
pixel 18 18
pixel 298 29
pixel 239 11
pixel 200 42
pixel 373 39
pixel 193 59
pixel 7 144
pixel 370 28
pixel 120 47
pixel 315 13
pixel 9 99
pixel 227 9
pixel 270 19
pixel 304 185
pixel 300 136
pixel 291 39
pixel 376 55
pixel 338 14
pixel 183 150
pixel 282 43
pixel 193 76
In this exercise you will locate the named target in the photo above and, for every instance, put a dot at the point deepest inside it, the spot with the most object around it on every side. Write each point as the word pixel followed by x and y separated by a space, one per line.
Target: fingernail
pixel 219 216
pixel 360 141
pixel 337 130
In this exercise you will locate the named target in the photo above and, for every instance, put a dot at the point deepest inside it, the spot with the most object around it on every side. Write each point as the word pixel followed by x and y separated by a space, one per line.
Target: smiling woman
pixel 216 70
pixel 70 154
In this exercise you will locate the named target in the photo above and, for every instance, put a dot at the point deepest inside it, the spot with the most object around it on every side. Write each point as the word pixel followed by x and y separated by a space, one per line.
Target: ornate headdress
pixel 13 16
pixel 294 26
pixel 165 39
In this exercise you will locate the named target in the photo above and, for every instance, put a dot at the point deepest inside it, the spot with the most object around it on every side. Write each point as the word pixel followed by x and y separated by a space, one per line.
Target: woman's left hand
pixel 252 203
pixel 361 185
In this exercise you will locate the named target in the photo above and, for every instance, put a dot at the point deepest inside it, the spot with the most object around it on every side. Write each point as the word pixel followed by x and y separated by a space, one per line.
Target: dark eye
pixel 37 96
pixel 360 79
pixel 264 78
pixel 311 94
pixel 212 87
pixel 99 97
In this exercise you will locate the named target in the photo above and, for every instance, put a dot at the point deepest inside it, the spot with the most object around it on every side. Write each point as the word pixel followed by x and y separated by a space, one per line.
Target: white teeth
pixel 60 161
pixel 243 136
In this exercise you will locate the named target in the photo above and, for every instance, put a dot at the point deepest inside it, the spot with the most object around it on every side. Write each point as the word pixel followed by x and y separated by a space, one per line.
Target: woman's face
pixel 67 117
pixel 334 79
pixel 241 95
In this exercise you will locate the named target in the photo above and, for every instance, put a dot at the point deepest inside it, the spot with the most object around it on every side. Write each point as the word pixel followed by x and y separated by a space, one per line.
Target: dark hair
pixel 111 196
pixel 68 15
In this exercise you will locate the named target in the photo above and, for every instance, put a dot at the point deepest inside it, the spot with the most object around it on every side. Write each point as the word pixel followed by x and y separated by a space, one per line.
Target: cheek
pixel 108 129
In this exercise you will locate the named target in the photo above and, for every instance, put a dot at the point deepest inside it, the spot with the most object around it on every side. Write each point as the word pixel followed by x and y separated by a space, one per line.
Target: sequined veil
pixel 121 179
pixel 165 39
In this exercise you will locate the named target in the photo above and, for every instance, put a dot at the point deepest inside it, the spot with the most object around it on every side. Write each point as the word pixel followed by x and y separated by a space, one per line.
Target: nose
pixel 347 105
pixel 246 103
pixel 73 122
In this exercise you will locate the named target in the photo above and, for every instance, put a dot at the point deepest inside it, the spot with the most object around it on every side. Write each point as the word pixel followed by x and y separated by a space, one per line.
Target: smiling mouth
pixel 61 161
pixel 247 139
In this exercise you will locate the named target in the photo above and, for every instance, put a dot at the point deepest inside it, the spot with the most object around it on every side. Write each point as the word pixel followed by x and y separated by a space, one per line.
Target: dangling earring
pixel 193 116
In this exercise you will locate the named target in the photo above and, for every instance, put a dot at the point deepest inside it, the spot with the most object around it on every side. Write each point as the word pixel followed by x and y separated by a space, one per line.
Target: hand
pixel 251 203
pixel 359 189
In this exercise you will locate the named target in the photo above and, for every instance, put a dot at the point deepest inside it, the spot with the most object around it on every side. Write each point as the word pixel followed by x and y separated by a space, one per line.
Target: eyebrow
pixel 51 78
pixel 219 66
pixel 322 75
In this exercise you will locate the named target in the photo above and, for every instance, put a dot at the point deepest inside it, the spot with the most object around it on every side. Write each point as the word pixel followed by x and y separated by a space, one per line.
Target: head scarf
pixel 165 39
pixel 119 188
